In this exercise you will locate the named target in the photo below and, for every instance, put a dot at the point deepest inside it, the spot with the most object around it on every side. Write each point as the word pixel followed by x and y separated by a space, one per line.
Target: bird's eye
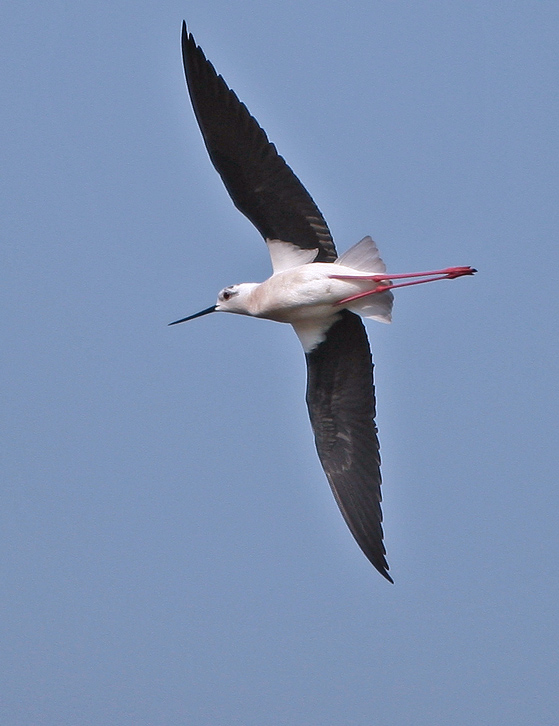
pixel 227 293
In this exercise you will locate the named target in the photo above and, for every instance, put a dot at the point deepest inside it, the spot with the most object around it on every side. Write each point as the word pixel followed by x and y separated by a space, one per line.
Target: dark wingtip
pixel 379 563
pixel 186 39
pixel 385 574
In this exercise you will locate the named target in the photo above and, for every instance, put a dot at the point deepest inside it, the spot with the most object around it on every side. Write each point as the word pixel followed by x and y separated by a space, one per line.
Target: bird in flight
pixel 320 294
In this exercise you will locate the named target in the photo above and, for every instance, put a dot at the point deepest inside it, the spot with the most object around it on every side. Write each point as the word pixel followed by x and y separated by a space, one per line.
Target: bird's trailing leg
pixel 385 280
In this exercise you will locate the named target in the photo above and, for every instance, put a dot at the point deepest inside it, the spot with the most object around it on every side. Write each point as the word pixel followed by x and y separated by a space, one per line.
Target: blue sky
pixel 171 553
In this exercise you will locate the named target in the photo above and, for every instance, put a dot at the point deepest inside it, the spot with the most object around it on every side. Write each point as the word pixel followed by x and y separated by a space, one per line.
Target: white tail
pixel 377 306
pixel 363 256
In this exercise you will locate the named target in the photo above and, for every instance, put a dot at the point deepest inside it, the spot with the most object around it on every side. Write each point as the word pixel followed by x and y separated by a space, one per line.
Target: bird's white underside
pixel 363 257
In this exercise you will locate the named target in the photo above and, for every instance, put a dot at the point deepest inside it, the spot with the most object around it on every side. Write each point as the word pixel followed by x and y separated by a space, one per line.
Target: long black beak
pixel 196 315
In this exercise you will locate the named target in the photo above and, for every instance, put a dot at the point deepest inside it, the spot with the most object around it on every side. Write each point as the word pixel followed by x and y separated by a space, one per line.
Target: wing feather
pixel 260 183
pixel 341 402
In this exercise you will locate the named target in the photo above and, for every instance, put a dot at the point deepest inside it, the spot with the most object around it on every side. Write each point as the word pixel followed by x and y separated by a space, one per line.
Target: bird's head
pixel 235 298
pixel 232 299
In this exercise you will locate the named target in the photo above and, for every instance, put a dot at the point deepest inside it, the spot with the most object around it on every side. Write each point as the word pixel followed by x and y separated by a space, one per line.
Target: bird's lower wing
pixel 341 401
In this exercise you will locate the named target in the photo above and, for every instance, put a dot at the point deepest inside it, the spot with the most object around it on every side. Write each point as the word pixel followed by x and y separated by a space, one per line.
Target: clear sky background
pixel 170 550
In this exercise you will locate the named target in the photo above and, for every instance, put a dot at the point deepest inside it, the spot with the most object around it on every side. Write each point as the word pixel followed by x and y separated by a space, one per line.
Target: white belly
pixel 305 293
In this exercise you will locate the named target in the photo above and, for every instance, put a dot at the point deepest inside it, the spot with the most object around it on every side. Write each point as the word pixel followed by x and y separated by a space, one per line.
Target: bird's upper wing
pixel 341 401
pixel 261 184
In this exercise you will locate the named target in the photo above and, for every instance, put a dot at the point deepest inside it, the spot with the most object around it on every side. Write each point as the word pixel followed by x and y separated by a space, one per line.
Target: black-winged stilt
pixel 322 300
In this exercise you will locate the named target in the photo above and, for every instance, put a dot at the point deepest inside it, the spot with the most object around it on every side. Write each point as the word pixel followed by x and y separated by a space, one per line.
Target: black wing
pixel 341 401
pixel 259 181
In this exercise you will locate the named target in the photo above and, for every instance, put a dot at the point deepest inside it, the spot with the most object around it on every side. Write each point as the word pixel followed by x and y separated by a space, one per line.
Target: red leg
pixel 449 274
